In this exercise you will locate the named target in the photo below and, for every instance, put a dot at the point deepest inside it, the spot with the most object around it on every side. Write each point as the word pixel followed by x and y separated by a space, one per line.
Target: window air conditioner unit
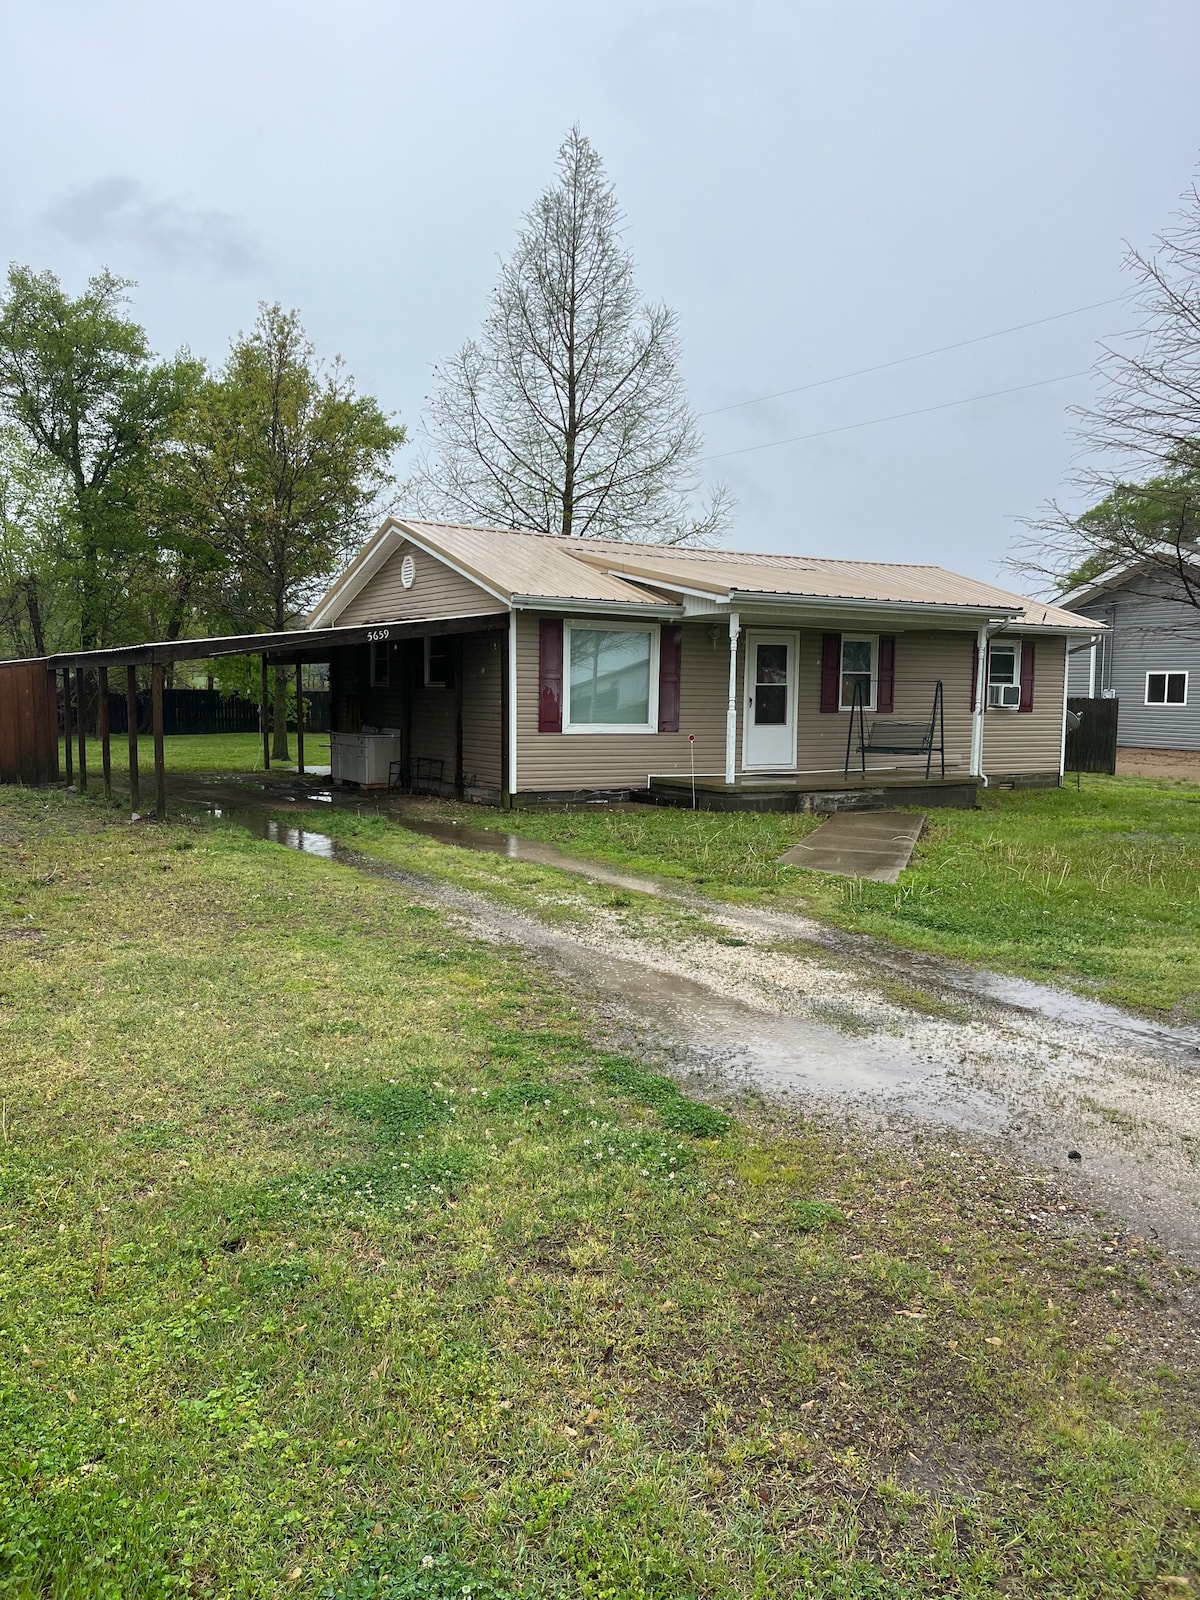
pixel 1005 695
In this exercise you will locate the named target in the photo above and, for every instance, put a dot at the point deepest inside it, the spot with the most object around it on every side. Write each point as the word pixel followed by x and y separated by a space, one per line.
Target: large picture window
pixel 612 678
pixel 1166 688
pixel 859 657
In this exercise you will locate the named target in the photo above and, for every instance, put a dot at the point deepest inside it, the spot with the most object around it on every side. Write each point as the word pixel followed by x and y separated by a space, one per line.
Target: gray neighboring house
pixel 1149 658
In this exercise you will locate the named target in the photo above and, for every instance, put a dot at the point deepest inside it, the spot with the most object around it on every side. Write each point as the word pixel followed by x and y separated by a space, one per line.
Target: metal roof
pixel 530 568
pixel 296 644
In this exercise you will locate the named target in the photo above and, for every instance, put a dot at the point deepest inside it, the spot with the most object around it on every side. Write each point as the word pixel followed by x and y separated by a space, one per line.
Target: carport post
pixel 81 723
pixel 105 751
pixel 264 713
pixel 300 718
pixel 160 767
pixel 68 731
pixel 131 713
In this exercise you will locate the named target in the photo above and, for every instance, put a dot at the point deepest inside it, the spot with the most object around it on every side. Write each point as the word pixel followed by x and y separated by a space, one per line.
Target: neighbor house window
pixel 858 669
pixel 1004 675
pixel 437 663
pixel 1166 688
pixel 612 678
pixel 380 666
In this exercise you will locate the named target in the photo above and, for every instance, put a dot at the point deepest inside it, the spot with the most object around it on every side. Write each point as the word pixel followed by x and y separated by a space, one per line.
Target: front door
pixel 769 729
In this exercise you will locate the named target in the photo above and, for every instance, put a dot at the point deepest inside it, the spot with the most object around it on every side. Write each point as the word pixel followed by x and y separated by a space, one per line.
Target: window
pixel 612 678
pixel 770 685
pixel 1166 688
pixel 858 667
pixel 380 666
pixel 1004 675
pixel 438 666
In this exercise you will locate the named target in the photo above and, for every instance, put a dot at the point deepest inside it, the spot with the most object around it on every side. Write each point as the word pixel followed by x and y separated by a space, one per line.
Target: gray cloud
pixel 117 211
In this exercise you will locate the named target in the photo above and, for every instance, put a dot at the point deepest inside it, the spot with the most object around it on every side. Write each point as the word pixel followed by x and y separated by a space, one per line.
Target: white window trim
pixel 1167 705
pixel 859 638
pixel 441 683
pixel 1003 644
pixel 380 656
pixel 605 626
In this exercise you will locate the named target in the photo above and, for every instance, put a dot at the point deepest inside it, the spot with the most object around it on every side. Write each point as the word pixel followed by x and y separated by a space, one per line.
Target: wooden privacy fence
pixel 28 743
pixel 198 711
pixel 1092 746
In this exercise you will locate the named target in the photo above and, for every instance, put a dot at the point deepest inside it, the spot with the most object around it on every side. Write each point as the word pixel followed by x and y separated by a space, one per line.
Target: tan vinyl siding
pixel 484 663
pixel 437 591
pixel 547 761
pixel 921 659
pixel 1030 742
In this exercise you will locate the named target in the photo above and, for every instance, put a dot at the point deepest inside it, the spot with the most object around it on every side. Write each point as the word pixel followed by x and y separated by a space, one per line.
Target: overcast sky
pixel 815 188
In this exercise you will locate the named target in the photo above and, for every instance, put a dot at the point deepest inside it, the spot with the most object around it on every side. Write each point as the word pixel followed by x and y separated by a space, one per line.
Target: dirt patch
pixel 1138 763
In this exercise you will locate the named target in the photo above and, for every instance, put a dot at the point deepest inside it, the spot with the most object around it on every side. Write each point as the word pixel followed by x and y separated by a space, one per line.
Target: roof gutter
pixel 635 608
pixel 968 615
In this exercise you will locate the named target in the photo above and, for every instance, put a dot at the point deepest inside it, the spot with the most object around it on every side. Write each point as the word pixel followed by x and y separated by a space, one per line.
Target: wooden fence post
pixel 131 714
pixel 81 725
pixel 264 703
pixel 68 731
pixel 105 750
pixel 160 768
pixel 300 718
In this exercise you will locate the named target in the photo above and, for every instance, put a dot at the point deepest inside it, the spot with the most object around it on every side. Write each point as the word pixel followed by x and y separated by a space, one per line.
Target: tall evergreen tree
pixel 568 413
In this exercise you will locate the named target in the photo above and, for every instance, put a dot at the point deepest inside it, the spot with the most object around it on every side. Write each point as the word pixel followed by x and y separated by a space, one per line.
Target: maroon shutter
pixel 885 686
pixel 974 677
pixel 550 675
pixel 670 655
pixel 1026 675
pixel 831 670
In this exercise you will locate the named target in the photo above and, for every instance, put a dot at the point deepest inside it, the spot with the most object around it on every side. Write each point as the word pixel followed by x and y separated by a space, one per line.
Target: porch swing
pixel 888 738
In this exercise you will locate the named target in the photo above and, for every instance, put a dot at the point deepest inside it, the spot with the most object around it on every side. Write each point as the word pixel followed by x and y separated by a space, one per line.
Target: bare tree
pixel 1142 439
pixel 568 415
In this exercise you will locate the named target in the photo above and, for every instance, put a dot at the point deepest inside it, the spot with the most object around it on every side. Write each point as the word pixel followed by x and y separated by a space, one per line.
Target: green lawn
pixel 336 1260
pixel 196 752
pixel 1098 888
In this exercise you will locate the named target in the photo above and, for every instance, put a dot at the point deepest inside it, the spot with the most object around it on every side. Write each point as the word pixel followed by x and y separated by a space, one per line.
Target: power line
pixel 862 372
pixel 895 416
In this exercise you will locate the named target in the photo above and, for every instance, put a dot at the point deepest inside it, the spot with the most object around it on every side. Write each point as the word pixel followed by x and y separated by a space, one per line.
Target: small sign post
pixel 692 754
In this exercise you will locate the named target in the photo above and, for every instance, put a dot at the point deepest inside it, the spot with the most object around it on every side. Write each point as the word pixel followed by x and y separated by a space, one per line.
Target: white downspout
pixel 511 731
pixel 732 709
pixel 1062 754
pixel 1092 668
pixel 981 650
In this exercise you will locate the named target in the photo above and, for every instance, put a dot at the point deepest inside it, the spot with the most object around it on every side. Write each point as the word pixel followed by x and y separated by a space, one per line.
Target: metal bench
pixel 888 738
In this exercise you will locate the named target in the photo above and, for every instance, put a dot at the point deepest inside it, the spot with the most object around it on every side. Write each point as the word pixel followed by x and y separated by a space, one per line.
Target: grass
pixel 195 752
pixel 1099 888
pixel 338 1260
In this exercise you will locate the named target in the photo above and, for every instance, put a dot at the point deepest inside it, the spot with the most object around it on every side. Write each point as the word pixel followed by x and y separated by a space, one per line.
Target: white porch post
pixel 731 711
pixel 981 645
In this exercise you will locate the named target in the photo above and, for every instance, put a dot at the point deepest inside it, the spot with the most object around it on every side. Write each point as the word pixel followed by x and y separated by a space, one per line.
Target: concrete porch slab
pixel 860 844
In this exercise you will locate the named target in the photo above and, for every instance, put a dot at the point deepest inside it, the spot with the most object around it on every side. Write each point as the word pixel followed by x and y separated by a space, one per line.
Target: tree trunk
pixel 279 741
pixel 34 611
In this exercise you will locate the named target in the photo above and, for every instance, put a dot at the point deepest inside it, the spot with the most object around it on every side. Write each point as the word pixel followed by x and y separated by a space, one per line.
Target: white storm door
pixel 769 725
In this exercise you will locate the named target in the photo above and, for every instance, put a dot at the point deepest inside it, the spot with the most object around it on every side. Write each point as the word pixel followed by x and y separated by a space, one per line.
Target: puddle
pixel 1023 1080
pixel 495 842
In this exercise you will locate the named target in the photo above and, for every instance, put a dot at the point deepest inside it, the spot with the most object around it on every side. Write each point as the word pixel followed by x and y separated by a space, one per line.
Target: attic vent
pixel 408 571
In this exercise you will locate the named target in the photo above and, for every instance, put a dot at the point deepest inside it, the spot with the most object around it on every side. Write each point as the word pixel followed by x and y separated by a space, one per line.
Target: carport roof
pixel 296 644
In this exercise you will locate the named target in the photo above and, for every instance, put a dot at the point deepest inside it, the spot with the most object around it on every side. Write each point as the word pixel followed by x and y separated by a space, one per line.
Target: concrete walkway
pixel 860 844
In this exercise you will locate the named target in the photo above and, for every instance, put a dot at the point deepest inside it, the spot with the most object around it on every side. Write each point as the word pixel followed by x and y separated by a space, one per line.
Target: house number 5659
pixel 374 635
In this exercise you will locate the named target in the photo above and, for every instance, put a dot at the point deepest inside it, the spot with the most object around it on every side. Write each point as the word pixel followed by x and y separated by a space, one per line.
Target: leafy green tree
pixel 280 472
pixel 35 512
pixel 78 379
pixel 568 413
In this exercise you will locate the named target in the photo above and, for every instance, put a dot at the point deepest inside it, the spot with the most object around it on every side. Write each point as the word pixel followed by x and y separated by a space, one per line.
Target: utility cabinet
pixel 364 758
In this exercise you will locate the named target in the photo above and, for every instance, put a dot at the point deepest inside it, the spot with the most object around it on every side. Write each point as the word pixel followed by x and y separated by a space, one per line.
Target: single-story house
pixel 553 669
pixel 1146 656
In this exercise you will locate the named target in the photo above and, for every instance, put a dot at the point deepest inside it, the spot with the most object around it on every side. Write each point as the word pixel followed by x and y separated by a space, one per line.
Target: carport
pixel 32 691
